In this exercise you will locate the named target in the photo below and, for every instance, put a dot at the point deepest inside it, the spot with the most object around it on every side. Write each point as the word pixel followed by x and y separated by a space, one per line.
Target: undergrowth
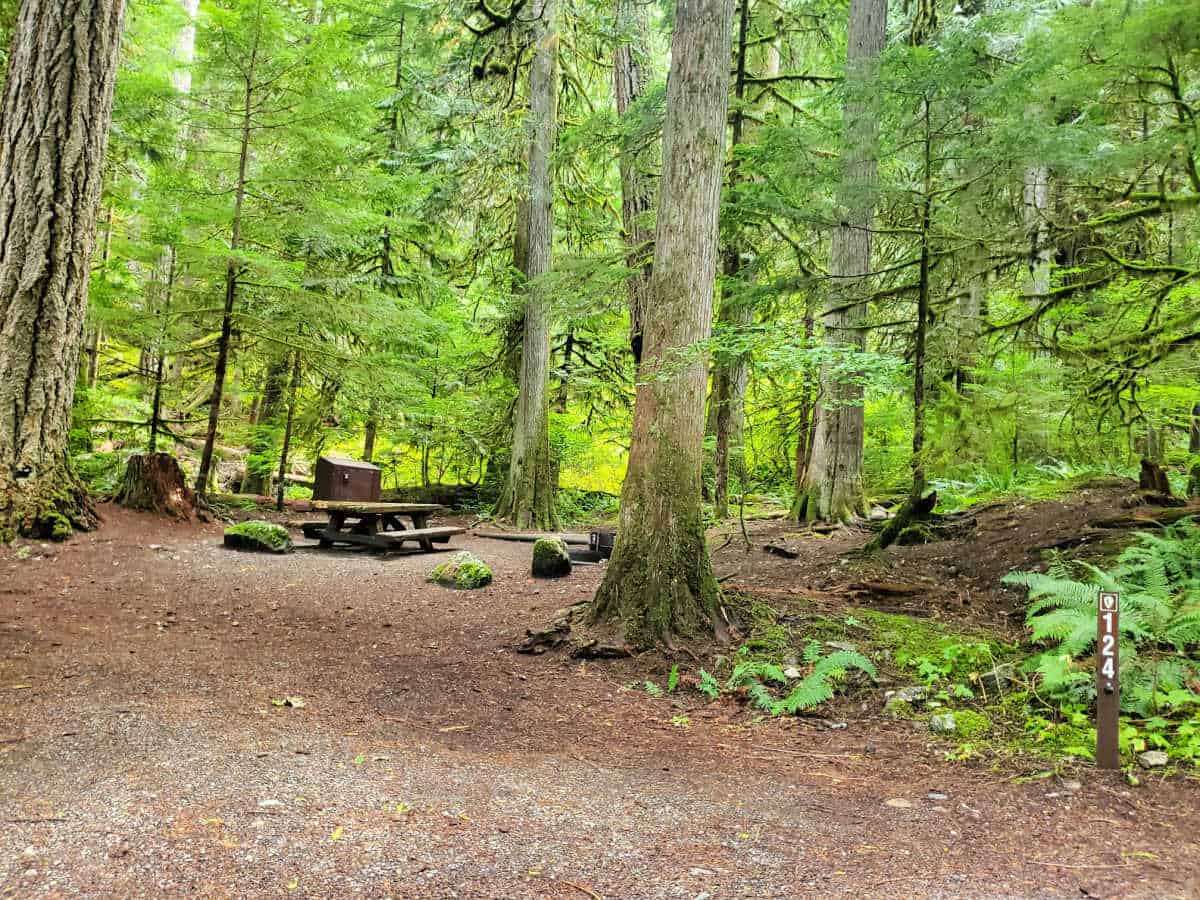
pixel 1158 578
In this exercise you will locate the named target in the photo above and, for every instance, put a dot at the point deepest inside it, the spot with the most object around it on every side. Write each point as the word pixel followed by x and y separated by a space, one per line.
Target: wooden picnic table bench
pixel 379 526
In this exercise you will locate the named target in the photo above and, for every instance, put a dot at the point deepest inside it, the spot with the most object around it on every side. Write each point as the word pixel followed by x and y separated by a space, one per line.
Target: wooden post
pixel 1108 683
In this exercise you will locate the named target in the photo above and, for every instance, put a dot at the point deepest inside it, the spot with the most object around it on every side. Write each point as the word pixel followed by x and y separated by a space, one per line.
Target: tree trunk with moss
pixel 528 496
pixel 57 106
pixel 833 486
pixel 660 579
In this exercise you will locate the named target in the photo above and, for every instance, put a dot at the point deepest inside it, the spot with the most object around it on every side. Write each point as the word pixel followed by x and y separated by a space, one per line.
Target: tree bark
pixel 232 272
pixel 660 578
pixel 528 496
pixel 54 122
pixel 631 66
pixel 833 488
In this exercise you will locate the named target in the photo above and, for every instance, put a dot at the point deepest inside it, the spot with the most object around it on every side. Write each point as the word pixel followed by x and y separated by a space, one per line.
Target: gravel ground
pixel 141 753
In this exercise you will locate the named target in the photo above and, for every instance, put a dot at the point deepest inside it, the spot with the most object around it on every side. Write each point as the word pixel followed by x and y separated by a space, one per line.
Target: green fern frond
pixel 812 691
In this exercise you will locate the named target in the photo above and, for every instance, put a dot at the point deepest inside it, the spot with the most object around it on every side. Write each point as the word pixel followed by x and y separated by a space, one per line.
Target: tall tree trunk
pixel 833 487
pixel 528 496
pixel 660 578
pixel 1036 201
pixel 731 371
pixel 95 337
pixel 918 441
pixel 807 417
pixel 54 122
pixel 630 75
pixel 232 272
pixel 162 277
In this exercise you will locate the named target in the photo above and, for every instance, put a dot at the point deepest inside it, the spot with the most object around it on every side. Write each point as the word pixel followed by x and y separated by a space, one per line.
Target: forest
pixel 893 306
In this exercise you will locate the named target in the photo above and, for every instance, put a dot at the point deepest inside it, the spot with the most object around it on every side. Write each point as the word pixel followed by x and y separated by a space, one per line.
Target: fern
pixel 814 689
pixel 1158 577
pixel 708 685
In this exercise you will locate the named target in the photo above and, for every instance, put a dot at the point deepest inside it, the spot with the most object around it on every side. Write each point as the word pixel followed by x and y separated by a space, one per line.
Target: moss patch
pixel 258 536
pixel 462 570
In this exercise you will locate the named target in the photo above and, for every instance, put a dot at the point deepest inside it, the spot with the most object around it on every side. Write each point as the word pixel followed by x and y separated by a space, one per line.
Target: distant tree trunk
pixel 630 74
pixel 833 487
pixel 162 278
pixel 95 336
pixel 293 389
pixel 262 436
pixel 919 354
pixel 731 371
pixel 1036 202
pixel 232 273
pixel 369 433
pixel 528 496
pixel 54 122
pixel 807 417
pixel 660 578
pixel 1194 431
pixel 514 325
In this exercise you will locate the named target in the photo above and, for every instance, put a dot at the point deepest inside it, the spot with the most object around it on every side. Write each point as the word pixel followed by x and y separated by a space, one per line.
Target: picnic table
pixel 379 526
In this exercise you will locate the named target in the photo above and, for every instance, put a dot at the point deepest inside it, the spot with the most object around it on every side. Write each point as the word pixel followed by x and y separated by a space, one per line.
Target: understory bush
pixel 1158 578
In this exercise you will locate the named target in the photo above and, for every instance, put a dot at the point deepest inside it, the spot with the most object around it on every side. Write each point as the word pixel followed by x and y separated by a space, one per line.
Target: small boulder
pixel 878 514
pixel 462 570
pixel 550 558
pixel 999 678
pixel 943 723
pixel 259 536
pixel 1152 759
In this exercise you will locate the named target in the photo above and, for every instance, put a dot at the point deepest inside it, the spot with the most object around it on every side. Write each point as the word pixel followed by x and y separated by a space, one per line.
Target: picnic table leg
pixel 336 520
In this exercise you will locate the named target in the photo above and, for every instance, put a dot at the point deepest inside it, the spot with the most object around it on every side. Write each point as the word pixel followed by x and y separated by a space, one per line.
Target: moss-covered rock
pixel 259 537
pixel 550 558
pixel 462 570
pixel 961 723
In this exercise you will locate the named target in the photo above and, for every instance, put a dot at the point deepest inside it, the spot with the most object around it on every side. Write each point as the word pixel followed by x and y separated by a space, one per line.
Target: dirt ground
pixel 141 752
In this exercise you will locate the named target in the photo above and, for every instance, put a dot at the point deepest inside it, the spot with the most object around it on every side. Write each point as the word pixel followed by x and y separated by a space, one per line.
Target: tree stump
pixel 154 482
pixel 1152 478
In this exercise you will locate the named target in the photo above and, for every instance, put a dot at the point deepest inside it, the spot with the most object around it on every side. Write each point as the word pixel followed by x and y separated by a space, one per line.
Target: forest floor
pixel 142 751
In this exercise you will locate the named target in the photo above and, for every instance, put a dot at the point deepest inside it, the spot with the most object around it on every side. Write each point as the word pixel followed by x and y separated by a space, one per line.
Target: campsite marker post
pixel 1108 681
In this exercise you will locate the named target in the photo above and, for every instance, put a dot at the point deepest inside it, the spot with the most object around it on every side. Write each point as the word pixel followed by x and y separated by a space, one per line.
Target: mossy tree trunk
pixel 54 121
pixel 528 496
pixel 833 484
pixel 660 578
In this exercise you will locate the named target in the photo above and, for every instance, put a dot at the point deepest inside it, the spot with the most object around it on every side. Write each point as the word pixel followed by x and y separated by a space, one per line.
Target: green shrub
pixel 463 570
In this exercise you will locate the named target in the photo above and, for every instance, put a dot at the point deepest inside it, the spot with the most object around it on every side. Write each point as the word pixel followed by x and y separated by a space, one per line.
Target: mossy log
pixel 154 482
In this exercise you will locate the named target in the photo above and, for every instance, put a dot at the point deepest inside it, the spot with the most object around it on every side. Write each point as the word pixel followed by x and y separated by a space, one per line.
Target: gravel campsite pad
pixel 181 720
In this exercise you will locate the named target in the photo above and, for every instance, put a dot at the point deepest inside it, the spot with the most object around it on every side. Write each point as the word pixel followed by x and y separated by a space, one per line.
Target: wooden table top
pixel 359 506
